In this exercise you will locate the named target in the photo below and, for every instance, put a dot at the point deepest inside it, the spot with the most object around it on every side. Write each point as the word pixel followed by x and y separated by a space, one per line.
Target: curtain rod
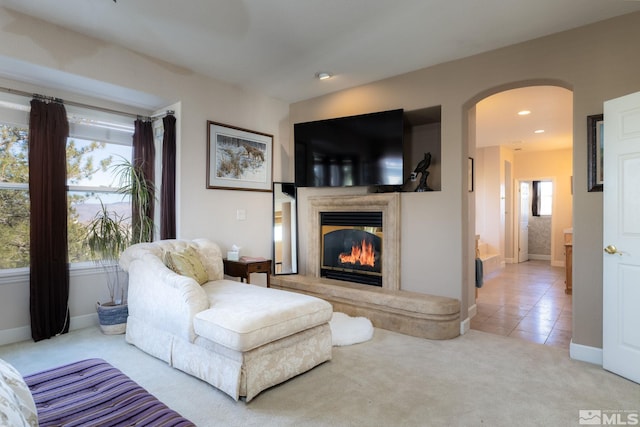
pixel 77 104
pixel 166 113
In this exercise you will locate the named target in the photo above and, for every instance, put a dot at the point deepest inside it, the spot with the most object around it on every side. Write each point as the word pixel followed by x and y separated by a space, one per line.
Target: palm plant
pixel 131 182
pixel 107 236
pixel 109 233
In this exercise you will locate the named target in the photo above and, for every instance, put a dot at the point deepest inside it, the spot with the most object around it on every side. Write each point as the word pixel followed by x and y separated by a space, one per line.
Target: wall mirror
pixel 285 236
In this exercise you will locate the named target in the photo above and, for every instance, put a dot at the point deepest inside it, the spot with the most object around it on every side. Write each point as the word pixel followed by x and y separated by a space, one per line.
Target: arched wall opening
pixel 505 175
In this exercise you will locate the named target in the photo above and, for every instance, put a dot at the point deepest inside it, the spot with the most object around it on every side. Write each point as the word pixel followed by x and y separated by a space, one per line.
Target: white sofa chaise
pixel 240 338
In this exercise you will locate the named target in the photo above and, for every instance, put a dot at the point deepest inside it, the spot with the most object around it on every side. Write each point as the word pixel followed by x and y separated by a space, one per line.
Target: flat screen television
pixel 359 150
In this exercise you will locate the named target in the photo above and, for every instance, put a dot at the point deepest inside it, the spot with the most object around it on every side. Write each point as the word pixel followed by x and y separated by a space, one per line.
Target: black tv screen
pixel 350 151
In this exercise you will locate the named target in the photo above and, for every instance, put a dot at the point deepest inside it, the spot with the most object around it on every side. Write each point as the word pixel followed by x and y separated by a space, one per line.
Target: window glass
pixel 91 183
pixel 83 207
pixel 97 142
pixel 14 197
pixel 546 197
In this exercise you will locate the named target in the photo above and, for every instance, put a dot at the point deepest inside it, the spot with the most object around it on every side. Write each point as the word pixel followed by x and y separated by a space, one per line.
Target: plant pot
pixel 112 317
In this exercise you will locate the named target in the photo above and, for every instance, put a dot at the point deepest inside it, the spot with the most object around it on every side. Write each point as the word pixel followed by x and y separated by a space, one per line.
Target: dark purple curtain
pixel 144 155
pixel 49 271
pixel 168 189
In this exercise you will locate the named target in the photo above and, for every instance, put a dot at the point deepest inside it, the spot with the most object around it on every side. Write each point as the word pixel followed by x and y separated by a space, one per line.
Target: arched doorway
pixel 523 134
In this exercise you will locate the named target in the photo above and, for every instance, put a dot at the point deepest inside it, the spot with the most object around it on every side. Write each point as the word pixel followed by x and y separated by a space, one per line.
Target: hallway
pixel 526 301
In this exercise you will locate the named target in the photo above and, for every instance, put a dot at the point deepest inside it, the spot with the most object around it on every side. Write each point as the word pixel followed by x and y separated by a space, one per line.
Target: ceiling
pixel 277 46
pixel 551 110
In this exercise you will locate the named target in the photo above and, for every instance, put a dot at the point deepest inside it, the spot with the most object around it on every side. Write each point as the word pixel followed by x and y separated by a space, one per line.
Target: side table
pixel 243 269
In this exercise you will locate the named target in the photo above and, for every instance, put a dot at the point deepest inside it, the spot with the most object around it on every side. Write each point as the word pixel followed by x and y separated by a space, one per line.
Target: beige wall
pixel 597 62
pixel 202 212
pixel 489 219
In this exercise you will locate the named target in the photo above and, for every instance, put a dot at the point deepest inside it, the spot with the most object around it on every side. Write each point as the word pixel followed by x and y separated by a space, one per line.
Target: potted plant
pixel 108 234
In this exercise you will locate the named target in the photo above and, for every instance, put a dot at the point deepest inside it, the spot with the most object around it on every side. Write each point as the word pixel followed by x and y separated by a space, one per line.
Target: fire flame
pixel 363 254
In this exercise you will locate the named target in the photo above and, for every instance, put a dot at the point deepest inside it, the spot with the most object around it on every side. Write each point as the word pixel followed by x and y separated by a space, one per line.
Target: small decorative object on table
pixel 234 253
pixel 420 169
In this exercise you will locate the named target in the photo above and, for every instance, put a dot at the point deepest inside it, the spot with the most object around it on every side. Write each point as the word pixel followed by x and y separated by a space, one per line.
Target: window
pixel 542 200
pixel 546 197
pixel 14 196
pixel 96 142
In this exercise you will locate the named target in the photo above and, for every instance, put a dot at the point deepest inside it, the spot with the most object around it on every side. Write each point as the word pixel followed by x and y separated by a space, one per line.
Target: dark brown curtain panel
pixel 144 155
pixel 535 198
pixel 168 189
pixel 49 271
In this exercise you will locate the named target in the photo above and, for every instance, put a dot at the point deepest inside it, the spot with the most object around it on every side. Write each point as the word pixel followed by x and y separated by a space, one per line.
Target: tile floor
pixel 526 301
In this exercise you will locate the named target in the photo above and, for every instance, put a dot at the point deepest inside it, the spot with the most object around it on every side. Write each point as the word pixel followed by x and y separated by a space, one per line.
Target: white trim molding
pixel 540 257
pixel 473 310
pixel 465 325
pixel 23 333
pixel 585 353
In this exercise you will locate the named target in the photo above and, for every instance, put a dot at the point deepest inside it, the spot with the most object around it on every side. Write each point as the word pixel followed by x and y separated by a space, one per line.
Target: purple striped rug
pixel 94 393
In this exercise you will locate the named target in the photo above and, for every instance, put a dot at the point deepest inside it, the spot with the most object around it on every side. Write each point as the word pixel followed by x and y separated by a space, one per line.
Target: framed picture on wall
pixel 238 159
pixel 595 141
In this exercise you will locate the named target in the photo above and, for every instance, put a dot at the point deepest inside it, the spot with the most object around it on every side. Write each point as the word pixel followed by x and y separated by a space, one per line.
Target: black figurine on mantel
pixel 421 169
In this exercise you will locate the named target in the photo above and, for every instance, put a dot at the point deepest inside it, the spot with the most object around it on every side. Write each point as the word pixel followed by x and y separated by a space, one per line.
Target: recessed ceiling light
pixel 539 131
pixel 323 75
pixel 524 112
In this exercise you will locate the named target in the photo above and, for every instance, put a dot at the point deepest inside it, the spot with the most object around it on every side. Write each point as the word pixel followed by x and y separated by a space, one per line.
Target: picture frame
pixel 238 159
pixel 595 144
pixel 470 173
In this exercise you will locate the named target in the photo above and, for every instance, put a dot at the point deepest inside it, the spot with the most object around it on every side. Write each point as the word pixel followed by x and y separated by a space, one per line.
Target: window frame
pixel 549 198
pixel 16 113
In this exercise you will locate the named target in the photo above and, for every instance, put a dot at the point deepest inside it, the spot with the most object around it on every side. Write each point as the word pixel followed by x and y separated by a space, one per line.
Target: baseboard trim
pixel 557 264
pixel 585 353
pixel 473 310
pixel 465 325
pixel 23 333
pixel 540 257
pixel 10 336
pixel 85 321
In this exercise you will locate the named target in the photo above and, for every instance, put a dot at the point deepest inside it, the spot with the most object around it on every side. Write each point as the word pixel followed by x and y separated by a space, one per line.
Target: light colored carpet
pixel 477 379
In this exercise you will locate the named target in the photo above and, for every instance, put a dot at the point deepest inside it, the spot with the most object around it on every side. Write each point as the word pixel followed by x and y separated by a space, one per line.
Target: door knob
pixel 611 250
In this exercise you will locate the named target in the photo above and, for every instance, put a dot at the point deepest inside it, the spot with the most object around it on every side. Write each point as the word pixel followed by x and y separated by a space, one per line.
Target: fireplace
pixel 385 206
pixel 388 306
pixel 351 246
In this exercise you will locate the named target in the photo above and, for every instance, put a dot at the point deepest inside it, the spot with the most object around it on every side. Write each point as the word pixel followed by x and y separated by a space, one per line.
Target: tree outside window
pixel 89 180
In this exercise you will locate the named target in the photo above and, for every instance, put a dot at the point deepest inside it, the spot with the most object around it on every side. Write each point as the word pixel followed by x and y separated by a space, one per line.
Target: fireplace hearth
pixel 352 246
pixel 388 306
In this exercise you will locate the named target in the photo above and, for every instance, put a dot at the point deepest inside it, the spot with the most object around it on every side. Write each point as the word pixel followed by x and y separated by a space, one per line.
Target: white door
pixel 523 233
pixel 621 262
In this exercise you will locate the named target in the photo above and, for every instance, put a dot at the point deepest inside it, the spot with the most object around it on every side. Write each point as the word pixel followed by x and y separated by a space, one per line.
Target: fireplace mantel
pixel 387 203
